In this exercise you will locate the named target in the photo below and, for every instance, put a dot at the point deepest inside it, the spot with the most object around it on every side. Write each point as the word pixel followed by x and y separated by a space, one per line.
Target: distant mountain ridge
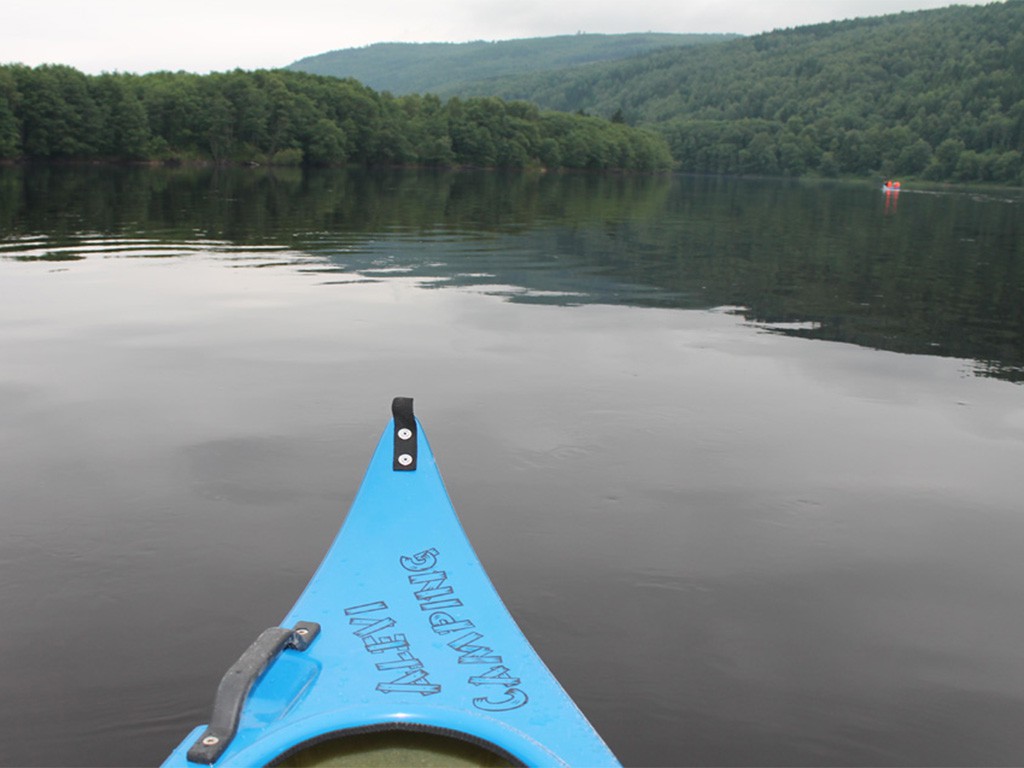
pixel 936 93
pixel 445 68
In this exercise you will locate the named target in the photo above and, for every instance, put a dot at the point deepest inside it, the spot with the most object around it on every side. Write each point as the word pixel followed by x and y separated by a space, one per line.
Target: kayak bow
pixel 400 629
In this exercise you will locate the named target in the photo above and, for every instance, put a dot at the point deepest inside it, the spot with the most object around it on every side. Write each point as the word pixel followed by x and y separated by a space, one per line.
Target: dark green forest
pixel 54 112
pixel 445 68
pixel 933 94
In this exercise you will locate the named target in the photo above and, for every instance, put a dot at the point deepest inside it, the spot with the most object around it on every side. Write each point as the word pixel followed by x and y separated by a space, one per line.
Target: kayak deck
pixel 399 629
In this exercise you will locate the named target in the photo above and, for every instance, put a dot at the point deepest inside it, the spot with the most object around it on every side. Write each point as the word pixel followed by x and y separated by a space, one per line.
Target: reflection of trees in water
pixel 942 275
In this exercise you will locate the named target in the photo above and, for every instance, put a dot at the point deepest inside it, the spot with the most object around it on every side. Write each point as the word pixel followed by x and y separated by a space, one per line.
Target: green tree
pixel 1007 167
pixel 173 105
pixel 946 159
pixel 327 144
pixel 251 109
pixel 58 115
pixel 759 157
pixel 219 122
pixel 914 158
pixel 10 132
pixel 829 165
pixel 125 125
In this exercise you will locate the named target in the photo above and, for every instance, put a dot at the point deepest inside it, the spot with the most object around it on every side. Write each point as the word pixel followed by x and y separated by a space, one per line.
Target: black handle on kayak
pixel 238 681
pixel 405 435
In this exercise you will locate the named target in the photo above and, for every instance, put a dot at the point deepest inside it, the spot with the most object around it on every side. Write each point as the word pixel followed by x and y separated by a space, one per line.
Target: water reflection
pixel 819 260
pixel 732 546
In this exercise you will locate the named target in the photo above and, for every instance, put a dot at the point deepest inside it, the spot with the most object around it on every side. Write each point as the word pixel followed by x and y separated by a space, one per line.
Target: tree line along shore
pixel 935 95
pixel 277 117
pixel 932 95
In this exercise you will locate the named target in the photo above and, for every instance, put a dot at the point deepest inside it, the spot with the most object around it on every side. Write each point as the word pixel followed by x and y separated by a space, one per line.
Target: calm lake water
pixel 745 458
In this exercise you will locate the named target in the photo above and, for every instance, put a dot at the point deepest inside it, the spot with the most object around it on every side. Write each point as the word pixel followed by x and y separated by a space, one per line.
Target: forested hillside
pixel 938 94
pixel 444 68
pixel 288 118
pixel 933 94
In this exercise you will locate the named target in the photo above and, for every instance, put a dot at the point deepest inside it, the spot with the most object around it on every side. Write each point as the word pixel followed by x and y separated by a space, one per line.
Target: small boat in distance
pixel 891 186
pixel 398 635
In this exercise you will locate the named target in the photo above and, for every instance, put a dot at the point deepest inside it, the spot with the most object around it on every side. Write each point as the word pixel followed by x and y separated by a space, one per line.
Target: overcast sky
pixel 214 35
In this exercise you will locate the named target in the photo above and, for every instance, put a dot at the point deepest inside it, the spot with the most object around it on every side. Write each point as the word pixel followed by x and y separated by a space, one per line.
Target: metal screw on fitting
pixel 302 631
pixel 405 459
pixel 404 433
pixel 209 741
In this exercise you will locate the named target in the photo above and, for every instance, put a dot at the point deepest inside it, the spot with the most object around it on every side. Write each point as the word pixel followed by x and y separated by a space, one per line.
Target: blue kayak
pixel 399 631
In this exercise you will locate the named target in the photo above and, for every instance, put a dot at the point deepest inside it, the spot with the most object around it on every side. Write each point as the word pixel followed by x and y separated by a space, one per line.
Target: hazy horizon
pixel 197 36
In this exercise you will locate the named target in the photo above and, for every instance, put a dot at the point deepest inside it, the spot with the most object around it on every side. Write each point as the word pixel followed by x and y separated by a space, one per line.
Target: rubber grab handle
pixel 238 681
pixel 405 435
